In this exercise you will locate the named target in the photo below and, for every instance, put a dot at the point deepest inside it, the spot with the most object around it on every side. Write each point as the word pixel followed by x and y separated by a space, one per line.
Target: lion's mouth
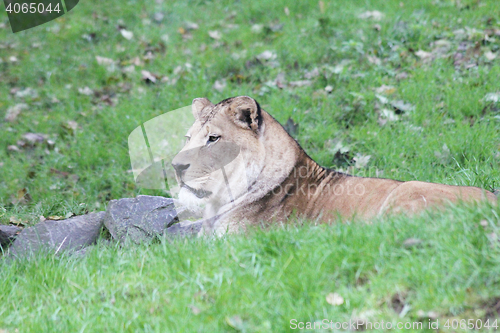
pixel 200 194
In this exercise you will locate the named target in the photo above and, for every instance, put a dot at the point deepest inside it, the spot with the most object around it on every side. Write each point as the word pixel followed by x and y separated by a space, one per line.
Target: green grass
pixel 266 277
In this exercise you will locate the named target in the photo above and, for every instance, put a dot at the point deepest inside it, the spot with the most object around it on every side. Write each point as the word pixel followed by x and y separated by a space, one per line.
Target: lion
pixel 241 167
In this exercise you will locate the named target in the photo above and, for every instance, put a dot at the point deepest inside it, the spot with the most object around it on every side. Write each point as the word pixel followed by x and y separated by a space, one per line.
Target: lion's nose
pixel 180 168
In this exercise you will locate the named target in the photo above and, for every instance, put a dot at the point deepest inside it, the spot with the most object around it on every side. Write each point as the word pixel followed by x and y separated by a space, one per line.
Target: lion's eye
pixel 213 138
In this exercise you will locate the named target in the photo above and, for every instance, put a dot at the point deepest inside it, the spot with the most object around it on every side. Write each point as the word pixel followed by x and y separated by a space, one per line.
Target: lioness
pixel 274 177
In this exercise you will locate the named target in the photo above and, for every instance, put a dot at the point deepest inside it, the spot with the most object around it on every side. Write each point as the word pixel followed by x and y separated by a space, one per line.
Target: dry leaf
pixel 374 15
pixel 389 115
pixel 196 310
pixel 257 28
pixel 411 242
pixel 13 148
pixel 492 97
pixel 312 73
pixel 14 220
pixel 361 160
pixel 55 218
pixel 104 61
pixel 219 85
pixel 21 197
pixel 266 55
pixel 374 60
pixel 34 138
pixel 28 92
pixel 383 89
pixel 300 83
pixel 86 91
pixel 235 322
pixel 71 126
pixel 14 111
pixel 191 26
pixel 215 34
pixel 334 299
pixel 127 34
pixel 490 56
pixel 423 54
pixel 148 76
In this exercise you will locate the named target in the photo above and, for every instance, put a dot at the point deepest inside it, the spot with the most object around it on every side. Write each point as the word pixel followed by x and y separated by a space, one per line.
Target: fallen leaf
pixel 300 83
pixel 14 111
pixel 196 310
pixel 235 322
pixel 86 91
pixel 280 80
pixel 383 89
pixel 374 15
pixel 334 299
pixel 13 148
pixel 148 77
pixel 423 54
pixel 266 55
pixel 191 26
pixel 373 60
pixel 16 221
pixel 13 59
pixel 402 106
pixel 104 61
pixel 389 115
pixel 443 156
pixel 70 125
pixel 328 89
pixel 35 138
pixel 55 218
pixel 21 197
pixel 215 34
pixel 492 97
pixel 257 28
pixel 158 17
pixel 219 85
pixel 127 34
pixel 490 56
pixel 361 160
pixel 312 73
pixel 28 92
pixel 411 242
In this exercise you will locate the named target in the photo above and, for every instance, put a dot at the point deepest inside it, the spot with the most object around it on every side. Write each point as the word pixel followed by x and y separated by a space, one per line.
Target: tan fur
pixel 281 179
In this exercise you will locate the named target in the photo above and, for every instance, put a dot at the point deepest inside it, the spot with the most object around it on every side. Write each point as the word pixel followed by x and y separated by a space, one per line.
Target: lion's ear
pixel 246 113
pixel 198 105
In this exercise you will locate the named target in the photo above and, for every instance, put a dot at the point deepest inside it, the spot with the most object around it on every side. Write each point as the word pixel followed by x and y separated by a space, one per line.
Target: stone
pixel 183 229
pixel 7 234
pixel 139 219
pixel 71 234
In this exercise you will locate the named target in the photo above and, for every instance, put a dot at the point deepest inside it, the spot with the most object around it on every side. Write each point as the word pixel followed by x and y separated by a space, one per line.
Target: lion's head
pixel 223 154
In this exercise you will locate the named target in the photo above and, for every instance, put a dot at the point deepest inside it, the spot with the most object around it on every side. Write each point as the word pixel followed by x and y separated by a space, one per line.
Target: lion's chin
pixel 190 199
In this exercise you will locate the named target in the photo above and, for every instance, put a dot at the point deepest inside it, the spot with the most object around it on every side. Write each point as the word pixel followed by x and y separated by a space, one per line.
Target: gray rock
pixel 72 234
pixel 7 234
pixel 139 219
pixel 183 229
